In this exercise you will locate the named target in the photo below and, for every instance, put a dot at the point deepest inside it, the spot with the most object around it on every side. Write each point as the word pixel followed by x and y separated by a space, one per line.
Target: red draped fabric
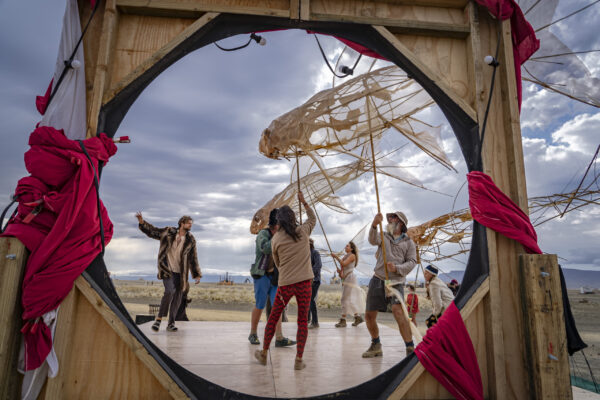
pixel 524 41
pixel 41 102
pixel 495 210
pixel 447 353
pixel 64 237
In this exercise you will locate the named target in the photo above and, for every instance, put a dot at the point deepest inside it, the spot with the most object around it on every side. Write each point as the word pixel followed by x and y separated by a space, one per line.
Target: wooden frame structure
pixel 441 43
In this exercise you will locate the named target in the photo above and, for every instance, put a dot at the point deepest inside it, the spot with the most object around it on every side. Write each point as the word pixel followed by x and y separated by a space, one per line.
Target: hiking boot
pixel 409 350
pixel 253 338
pixel 341 324
pixel 284 342
pixel 373 351
pixel 299 364
pixel 156 325
pixel 261 356
pixel 171 328
pixel 313 326
pixel 357 320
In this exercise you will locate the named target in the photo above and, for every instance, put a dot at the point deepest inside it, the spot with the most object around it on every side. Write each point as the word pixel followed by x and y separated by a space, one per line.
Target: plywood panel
pixel 544 319
pixel 446 57
pixel 13 258
pixel 98 364
pixel 389 14
pixel 138 38
pixel 191 8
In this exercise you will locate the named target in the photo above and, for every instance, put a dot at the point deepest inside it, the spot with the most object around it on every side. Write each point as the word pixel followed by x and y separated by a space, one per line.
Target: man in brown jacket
pixel 177 256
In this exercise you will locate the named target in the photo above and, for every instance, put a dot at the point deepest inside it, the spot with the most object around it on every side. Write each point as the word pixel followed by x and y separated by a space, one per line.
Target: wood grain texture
pixel 147 63
pixel 192 8
pixel 546 338
pixel 443 60
pixel 399 18
pixel 13 258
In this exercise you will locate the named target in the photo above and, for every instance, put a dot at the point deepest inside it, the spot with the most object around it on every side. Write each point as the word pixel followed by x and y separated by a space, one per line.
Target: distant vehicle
pixel 227 281
pixel 587 290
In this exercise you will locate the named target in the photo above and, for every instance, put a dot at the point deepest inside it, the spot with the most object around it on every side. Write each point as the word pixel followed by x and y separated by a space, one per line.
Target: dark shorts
pixel 376 300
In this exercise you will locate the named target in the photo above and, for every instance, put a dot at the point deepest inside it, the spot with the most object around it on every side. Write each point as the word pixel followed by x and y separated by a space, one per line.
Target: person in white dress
pixel 352 299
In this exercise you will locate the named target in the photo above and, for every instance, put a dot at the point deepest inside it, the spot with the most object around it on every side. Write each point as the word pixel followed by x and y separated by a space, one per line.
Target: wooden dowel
pixel 298 180
pixel 321 225
pixel 376 188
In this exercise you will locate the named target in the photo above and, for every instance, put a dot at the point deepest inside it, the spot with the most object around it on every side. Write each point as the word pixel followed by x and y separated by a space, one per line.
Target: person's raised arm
pixel 374 236
pixel 150 230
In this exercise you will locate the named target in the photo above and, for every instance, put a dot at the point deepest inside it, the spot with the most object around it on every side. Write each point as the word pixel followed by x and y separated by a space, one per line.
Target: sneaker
pixel 358 320
pixel 341 324
pixel 409 350
pixel 373 351
pixel 171 328
pixel 253 338
pixel 313 326
pixel 299 364
pixel 261 357
pixel 284 342
pixel 156 325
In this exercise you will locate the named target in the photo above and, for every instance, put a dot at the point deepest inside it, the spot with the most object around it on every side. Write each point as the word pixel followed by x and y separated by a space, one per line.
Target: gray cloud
pixel 195 133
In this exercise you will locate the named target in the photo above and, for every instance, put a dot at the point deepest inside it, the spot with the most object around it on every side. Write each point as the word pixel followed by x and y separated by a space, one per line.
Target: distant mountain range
pixel 575 278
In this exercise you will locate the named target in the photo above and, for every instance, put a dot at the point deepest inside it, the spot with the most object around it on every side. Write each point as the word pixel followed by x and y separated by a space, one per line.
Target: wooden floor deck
pixel 220 352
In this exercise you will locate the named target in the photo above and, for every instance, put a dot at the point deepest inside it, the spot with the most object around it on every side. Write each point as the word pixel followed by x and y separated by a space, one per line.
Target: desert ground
pixel 214 302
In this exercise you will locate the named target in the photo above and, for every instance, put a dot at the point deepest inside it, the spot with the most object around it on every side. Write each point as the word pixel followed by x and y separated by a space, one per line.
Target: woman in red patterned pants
pixel 291 253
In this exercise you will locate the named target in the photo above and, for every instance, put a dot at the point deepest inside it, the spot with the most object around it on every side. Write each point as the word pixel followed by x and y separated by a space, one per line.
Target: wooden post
pixel 545 338
pixel 13 258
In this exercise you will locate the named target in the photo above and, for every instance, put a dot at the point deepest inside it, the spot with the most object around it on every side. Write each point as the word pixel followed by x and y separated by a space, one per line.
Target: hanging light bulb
pixel 344 69
pixel 258 39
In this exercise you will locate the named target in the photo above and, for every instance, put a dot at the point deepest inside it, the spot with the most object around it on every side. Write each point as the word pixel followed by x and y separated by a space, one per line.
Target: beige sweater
pixel 441 295
pixel 293 258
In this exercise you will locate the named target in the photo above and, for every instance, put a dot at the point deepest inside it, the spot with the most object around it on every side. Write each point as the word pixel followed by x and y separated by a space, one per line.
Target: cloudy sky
pixel 195 133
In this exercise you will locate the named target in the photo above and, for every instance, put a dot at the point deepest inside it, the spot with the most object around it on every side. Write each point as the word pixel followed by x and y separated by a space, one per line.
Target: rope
pixel 329 65
pixel 97 185
pixel 298 180
pixel 591 373
pixel 70 60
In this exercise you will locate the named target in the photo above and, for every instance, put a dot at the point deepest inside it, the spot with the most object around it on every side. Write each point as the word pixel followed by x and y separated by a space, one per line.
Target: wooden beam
pixel 418 369
pixel 158 55
pixel 305 10
pixel 65 326
pixel 13 258
pixel 134 345
pixel 398 26
pixel 193 9
pixel 294 9
pixel 495 341
pixel 389 36
pixel 546 338
pixel 106 41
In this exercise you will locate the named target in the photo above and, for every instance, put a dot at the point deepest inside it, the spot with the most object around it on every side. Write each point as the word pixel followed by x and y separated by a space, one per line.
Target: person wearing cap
pixel 454 286
pixel 439 294
pixel 401 255
pixel 264 273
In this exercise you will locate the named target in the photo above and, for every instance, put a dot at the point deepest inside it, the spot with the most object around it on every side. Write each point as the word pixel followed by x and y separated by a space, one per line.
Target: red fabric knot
pixel 447 353
pixel 64 237
pixel 495 210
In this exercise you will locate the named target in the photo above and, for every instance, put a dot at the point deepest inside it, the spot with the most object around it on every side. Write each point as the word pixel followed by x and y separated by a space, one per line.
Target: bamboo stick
pixel 377 189
pixel 298 180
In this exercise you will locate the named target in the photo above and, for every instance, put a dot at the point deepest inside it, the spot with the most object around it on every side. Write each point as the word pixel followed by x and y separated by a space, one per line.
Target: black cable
pixel 97 185
pixel 489 102
pixel 591 373
pixel 70 60
pixel 14 199
pixel 329 65
pixel 234 48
